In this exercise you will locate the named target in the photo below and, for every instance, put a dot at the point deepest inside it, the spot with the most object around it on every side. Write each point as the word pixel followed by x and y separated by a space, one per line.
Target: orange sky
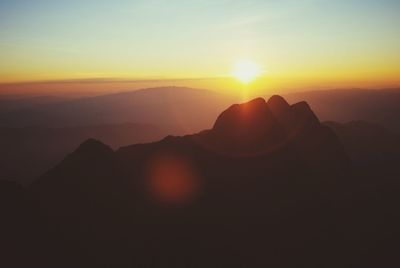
pixel 124 45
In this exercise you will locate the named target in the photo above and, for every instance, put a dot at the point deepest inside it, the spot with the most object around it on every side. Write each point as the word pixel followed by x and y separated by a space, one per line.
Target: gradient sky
pixel 300 42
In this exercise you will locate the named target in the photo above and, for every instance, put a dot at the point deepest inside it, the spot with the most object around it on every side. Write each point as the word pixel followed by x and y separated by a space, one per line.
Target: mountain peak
pixel 93 146
pixel 304 113
pixel 281 110
pixel 278 102
pixel 245 114
pixel 249 126
pixel 255 102
pixel 258 126
pixel 251 115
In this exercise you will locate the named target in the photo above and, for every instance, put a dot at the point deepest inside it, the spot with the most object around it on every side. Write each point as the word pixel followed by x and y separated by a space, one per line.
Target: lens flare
pixel 172 180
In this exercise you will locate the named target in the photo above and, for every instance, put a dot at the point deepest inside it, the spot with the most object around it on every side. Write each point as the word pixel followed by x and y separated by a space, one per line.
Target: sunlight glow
pixel 246 71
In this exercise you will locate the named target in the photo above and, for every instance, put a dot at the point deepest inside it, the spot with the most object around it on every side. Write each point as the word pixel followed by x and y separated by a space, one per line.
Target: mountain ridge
pixel 216 199
pixel 249 130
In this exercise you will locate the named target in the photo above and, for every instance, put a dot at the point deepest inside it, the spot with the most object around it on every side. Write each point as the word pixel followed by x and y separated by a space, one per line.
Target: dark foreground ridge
pixel 267 186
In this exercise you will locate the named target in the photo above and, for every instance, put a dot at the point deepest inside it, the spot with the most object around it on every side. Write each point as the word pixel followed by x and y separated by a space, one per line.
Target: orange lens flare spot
pixel 172 180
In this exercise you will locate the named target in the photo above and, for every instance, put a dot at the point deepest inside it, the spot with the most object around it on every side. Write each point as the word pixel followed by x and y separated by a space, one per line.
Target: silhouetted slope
pixel 367 143
pixel 316 143
pixel 80 204
pixel 37 149
pixel 24 239
pixel 92 163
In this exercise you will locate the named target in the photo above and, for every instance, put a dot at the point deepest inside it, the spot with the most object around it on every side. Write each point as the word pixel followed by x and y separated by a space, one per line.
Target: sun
pixel 246 71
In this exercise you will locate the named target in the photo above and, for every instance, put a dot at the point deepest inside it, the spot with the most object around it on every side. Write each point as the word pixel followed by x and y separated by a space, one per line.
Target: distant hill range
pixel 189 110
pixel 374 106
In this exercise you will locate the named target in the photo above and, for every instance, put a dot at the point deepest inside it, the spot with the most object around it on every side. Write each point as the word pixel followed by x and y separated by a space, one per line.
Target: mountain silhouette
pixel 38 149
pixel 174 198
pixel 249 127
pixel 267 185
pixel 317 143
pixel 38 132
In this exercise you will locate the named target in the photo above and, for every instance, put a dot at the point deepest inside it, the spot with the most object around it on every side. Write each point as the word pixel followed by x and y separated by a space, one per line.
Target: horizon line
pixel 114 79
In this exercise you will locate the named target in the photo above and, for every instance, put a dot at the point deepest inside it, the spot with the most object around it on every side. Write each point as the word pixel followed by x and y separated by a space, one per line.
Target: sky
pixel 297 43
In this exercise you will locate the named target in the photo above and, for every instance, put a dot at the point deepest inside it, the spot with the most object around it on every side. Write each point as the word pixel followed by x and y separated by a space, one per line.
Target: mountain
pixel 37 132
pixel 317 143
pixel 37 149
pixel 247 192
pixel 375 106
pixel 252 134
pixel 267 186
